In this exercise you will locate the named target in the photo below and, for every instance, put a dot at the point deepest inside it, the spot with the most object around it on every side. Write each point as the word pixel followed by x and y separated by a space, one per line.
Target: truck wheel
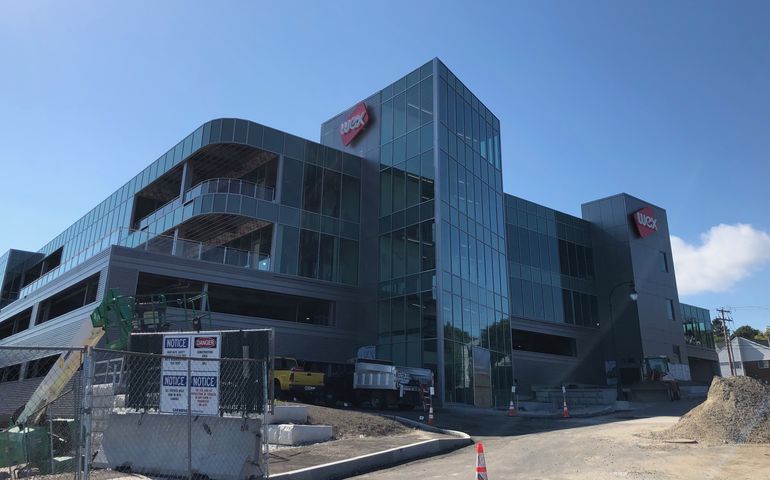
pixel 378 401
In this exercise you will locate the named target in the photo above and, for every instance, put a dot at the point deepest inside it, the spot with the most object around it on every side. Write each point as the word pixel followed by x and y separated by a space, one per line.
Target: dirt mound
pixel 350 424
pixel 737 410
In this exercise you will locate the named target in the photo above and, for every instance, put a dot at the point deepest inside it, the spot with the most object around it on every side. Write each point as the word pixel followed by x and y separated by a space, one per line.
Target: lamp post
pixel 632 295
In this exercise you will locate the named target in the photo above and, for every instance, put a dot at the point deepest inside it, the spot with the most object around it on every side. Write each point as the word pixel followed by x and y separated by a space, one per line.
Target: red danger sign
pixel 205 342
pixel 355 123
pixel 645 221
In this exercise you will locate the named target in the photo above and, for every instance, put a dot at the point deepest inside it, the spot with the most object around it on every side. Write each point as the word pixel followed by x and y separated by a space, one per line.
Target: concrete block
pixel 288 414
pixel 156 444
pixel 287 434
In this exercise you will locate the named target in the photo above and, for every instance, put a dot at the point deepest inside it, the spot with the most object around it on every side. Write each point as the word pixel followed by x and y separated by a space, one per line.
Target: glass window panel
pixel 428 315
pixel 569 307
pixel 427 165
pixel 348 257
pixel 399 115
pixel 241 129
pixel 327 261
pixel 412 108
pixel 255 134
pixel 227 130
pixel 331 193
pixel 386 155
pixel 312 188
pixel 289 244
pixel 385 257
pixel 399 150
pixel 384 317
pixel 413 144
pixel 455 242
pixel 527 298
pixel 386 128
pixel 399 187
pixel 412 190
pixel 290 185
pixel 428 254
pixel 386 191
pixel 399 253
pixel 426 101
pixel 308 253
pixel 412 249
pixel 273 140
pixel 351 198
pixel 426 137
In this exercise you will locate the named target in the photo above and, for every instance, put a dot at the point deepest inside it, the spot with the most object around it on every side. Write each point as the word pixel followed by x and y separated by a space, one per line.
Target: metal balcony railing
pixel 215 185
pixel 146 241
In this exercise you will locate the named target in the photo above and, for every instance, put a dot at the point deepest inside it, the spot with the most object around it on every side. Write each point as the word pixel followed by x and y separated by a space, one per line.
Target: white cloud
pixel 726 255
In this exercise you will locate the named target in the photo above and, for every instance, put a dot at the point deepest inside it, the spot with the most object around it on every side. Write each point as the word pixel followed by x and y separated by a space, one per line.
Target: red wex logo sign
pixel 645 221
pixel 350 128
pixel 205 342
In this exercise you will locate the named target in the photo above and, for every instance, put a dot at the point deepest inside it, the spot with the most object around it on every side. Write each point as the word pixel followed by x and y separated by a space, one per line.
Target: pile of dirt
pixel 737 410
pixel 350 424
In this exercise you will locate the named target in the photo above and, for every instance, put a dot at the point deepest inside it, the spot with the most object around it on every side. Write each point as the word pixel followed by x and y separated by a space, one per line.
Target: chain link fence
pixel 41 395
pixel 103 413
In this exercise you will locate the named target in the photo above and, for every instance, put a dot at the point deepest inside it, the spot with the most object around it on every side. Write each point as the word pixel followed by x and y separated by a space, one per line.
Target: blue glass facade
pixel 551 265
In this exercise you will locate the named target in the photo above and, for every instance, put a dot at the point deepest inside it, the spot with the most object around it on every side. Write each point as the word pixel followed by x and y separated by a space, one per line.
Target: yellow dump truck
pixel 292 381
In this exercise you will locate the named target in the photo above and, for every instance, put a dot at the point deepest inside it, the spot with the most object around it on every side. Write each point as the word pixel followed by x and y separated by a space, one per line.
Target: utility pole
pixel 728 343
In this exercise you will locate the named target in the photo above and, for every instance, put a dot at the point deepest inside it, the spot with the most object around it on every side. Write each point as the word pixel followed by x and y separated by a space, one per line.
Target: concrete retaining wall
pixel 288 414
pixel 298 434
pixel 156 444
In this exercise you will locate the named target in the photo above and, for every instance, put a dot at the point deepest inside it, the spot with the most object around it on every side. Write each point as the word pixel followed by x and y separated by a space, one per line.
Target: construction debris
pixel 737 410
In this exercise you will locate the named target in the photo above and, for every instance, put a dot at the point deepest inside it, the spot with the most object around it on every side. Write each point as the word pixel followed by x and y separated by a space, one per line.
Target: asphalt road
pixel 609 447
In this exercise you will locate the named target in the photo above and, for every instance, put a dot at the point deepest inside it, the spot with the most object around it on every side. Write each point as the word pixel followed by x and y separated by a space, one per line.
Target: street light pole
pixel 633 296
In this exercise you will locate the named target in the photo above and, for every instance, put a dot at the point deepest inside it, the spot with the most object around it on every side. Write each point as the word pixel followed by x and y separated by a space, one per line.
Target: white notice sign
pixel 203 381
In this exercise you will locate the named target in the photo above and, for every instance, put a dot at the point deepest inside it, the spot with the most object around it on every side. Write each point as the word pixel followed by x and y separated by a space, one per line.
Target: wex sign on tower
pixel 355 123
pixel 200 381
pixel 646 222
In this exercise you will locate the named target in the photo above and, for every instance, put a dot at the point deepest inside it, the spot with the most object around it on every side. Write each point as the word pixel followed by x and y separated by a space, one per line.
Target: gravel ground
pixel 737 410
pixel 352 424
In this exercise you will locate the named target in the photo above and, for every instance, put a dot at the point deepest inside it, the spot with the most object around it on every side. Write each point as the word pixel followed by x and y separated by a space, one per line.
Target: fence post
pixel 189 419
pixel 265 427
pixel 88 367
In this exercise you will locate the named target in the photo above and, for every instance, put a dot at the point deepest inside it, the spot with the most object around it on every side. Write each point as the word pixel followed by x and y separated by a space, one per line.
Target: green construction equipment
pixel 29 441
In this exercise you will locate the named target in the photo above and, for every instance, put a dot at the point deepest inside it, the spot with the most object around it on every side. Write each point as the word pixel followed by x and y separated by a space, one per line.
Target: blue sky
pixel 668 101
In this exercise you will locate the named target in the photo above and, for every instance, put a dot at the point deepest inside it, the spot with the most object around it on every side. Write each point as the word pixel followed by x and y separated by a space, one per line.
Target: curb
pixel 604 411
pixel 385 458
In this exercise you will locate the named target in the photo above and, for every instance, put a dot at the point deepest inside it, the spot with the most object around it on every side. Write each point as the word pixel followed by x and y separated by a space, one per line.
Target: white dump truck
pixel 381 384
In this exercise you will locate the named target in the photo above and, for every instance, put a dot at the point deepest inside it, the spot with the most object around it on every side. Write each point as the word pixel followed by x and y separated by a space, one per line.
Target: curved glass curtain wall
pixel 100 227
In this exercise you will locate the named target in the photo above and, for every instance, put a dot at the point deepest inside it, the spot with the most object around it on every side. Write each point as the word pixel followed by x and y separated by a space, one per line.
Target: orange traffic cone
pixel 565 413
pixel 481 465
pixel 512 410
pixel 430 415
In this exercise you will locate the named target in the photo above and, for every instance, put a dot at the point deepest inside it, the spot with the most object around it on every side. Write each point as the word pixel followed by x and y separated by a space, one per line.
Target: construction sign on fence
pixel 199 379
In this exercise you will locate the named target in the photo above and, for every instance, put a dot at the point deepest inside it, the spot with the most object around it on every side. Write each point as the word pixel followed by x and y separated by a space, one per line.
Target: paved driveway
pixel 609 447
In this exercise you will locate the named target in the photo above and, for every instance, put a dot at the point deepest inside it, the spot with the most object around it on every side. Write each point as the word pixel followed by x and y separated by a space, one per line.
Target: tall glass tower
pixel 440 281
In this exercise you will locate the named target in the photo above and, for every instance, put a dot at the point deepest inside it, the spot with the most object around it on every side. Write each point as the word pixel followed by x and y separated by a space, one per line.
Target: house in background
pixel 750 358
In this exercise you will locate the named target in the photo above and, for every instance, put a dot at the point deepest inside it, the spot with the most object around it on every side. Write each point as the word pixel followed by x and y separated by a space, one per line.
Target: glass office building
pixel 392 232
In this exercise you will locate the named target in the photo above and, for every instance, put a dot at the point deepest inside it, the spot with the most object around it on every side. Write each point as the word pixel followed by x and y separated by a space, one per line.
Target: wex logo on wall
pixel 645 221
pixel 350 128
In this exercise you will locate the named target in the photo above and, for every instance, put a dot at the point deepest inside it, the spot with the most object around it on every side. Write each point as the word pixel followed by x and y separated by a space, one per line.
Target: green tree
pixel 746 331
pixel 716 327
